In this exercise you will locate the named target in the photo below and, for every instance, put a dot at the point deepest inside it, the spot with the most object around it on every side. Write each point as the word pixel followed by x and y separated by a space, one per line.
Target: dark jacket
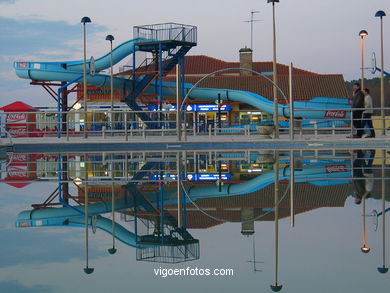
pixel 358 99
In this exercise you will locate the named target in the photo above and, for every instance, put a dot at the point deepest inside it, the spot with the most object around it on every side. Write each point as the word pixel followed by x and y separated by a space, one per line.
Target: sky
pixel 316 35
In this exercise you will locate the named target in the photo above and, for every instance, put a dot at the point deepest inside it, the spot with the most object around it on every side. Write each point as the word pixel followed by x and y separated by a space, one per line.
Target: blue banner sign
pixel 195 108
pixel 195 177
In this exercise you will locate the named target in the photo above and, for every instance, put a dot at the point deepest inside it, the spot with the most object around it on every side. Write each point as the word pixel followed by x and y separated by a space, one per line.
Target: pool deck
pixel 192 143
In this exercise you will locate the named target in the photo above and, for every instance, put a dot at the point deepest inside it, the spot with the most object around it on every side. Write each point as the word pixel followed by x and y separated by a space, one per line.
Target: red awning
pixel 18 107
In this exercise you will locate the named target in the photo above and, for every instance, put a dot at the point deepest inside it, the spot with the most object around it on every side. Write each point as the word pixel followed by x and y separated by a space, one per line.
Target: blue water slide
pixel 69 217
pixel 317 174
pixel 101 63
pixel 316 108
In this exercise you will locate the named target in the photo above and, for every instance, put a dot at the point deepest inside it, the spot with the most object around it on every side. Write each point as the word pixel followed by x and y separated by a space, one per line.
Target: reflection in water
pixel 152 201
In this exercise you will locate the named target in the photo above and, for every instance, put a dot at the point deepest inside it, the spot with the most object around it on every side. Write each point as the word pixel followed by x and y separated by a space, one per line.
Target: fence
pixel 126 124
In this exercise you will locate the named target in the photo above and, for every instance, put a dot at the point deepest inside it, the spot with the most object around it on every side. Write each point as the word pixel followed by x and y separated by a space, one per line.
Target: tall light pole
pixel 380 14
pixel 276 120
pixel 85 20
pixel 110 38
pixel 362 34
pixel 88 270
pixel 276 287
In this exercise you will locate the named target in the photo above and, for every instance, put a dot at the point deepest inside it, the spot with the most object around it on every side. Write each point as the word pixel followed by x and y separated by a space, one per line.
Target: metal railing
pixel 126 124
pixel 167 32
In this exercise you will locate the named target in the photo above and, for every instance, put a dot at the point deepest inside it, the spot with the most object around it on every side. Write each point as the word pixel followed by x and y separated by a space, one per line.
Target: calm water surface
pixel 305 232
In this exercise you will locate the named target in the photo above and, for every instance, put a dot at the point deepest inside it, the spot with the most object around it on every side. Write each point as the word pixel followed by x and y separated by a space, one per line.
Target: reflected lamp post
pixel 362 34
pixel 381 14
pixel 276 287
pixel 112 250
pixel 84 21
pixel 364 249
pixel 383 269
pixel 276 120
pixel 110 38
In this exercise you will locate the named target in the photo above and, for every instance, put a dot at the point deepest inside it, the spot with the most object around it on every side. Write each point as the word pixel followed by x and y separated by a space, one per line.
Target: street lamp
pixel 85 20
pixel 276 120
pixel 276 287
pixel 380 14
pixel 362 34
pixel 112 250
pixel 110 38
pixel 364 249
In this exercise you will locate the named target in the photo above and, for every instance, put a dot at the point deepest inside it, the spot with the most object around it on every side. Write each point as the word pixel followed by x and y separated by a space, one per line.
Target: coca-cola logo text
pixel 336 168
pixel 19 158
pixel 16 117
pixel 335 114
pixel 17 131
pixel 16 172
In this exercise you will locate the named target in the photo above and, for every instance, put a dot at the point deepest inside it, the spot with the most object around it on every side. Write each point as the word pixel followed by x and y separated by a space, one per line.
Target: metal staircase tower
pixel 168 43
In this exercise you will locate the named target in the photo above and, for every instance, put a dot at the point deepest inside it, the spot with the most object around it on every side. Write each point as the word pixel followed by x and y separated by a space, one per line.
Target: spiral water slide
pixel 316 108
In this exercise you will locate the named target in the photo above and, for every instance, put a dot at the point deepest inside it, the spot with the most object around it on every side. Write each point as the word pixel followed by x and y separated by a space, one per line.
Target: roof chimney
pixel 246 61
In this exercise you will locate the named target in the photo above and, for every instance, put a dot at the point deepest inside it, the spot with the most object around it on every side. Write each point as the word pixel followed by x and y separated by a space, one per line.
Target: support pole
pixel 383 269
pixel 290 83
pixel 85 85
pixel 275 78
pixel 382 84
pixel 178 101
pixel 292 181
pixel 64 108
pixel 179 189
pixel 276 203
pixel 219 113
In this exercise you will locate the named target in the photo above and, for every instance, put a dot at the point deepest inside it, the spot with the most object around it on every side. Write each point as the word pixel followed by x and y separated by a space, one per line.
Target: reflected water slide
pixel 319 174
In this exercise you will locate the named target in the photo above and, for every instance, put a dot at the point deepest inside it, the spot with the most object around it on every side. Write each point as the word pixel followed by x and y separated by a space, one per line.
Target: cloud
pixel 36 246
pixel 7 1
pixel 17 287
pixel 37 40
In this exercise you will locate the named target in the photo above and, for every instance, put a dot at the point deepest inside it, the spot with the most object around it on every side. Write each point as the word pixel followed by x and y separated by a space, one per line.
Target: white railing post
pixel 126 134
pixel 67 126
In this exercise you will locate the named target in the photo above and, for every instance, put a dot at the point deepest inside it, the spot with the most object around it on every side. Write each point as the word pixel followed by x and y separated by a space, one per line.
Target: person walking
pixel 367 113
pixel 357 110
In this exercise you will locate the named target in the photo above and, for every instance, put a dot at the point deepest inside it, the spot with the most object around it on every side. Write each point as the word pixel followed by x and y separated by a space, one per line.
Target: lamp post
pixel 276 120
pixel 381 14
pixel 85 20
pixel 383 269
pixel 112 250
pixel 362 34
pixel 110 38
pixel 87 269
pixel 276 287
pixel 364 249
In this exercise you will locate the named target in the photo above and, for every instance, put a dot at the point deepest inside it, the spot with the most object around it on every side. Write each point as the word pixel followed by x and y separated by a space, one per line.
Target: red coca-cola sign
pixel 17 172
pixel 336 168
pixel 335 114
pixel 17 131
pixel 16 117
pixel 19 158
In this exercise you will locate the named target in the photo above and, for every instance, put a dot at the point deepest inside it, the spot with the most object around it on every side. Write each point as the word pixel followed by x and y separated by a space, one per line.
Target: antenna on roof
pixel 251 21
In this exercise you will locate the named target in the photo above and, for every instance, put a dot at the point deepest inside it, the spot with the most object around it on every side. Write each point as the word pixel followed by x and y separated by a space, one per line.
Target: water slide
pixel 320 107
pixel 320 174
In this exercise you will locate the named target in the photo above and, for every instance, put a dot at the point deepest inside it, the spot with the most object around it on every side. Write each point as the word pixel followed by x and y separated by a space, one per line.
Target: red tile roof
pixel 201 65
pixel 305 87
